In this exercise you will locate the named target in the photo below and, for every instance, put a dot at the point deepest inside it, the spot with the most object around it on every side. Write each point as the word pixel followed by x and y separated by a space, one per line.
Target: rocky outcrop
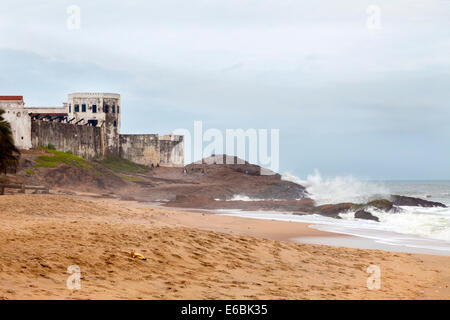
pixel 382 204
pixel 416 202
pixel 297 207
pixel 362 214
pixel 332 210
pixel 199 201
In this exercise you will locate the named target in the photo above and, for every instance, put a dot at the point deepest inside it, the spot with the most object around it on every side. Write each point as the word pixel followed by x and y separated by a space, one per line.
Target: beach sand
pixel 189 256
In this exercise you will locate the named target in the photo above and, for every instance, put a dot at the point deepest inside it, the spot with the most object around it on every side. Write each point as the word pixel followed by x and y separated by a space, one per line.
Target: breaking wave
pixel 432 223
pixel 339 189
pixel 239 197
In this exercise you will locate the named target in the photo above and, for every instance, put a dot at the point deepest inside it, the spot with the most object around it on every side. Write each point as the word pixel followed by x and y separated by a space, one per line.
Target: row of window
pixel 94 108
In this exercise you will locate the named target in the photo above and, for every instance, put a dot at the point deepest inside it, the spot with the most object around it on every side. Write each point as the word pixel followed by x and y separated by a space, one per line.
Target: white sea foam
pixel 238 197
pixel 339 189
pixel 432 223
pixel 394 229
pixel 429 224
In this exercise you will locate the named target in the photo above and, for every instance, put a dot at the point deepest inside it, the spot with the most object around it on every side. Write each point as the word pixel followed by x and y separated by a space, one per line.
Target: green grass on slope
pixel 123 165
pixel 118 165
pixel 129 178
pixel 59 157
pixel 29 171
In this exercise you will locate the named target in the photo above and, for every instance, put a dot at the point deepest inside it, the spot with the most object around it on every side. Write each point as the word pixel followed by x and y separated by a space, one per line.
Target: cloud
pixel 301 66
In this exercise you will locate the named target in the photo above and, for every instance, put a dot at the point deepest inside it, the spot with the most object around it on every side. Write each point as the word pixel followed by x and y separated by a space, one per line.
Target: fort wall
pixel 88 125
pixel 148 149
pixel 140 148
pixel 100 109
pixel 20 126
pixel 171 151
pixel 83 141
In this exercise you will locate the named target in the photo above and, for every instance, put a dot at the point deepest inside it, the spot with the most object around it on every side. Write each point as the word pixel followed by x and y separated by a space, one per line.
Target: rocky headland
pixel 217 182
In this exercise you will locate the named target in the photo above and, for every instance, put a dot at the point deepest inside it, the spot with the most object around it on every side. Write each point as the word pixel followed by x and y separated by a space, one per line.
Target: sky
pixel 355 87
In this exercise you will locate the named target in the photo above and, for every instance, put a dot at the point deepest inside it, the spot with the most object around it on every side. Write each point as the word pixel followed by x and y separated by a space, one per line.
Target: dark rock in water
pixel 333 210
pixel 382 204
pixel 416 202
pixel 204 201
pixel 362 214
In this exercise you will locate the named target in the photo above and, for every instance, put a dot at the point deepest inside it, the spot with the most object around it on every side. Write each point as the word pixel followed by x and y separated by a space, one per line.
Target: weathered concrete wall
pixel 83 141
pixel 148 149
pixel 140 148
pixel 20 122
pixel 112 126
pixel 171 151
pixel 106 112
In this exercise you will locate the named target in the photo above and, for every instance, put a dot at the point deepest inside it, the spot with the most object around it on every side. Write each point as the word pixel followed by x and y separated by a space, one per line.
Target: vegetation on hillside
pixel 129 178
pixel 9 154
pixel 59 157
pixel 123 165
pixel 117 166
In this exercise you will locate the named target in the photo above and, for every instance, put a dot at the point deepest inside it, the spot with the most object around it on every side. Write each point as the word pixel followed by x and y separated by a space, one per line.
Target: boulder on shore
pixel 415 202
pixel 382 204
pixel 333 210
pixel 363 214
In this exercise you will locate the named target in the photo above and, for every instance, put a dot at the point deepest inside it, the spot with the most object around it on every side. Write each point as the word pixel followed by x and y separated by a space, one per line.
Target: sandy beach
pixel 189 256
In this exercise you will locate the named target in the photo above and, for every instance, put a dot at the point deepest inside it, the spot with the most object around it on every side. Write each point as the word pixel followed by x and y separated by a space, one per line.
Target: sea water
pixel 414 229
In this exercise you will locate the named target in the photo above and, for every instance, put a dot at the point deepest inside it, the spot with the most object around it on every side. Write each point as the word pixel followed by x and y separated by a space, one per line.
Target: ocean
pixel 414 229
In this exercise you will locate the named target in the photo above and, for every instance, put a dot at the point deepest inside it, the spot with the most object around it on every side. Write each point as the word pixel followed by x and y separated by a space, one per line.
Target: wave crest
pixel 339 189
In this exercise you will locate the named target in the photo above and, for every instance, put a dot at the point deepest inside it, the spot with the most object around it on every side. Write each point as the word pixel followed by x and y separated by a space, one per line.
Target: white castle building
pixel 88 125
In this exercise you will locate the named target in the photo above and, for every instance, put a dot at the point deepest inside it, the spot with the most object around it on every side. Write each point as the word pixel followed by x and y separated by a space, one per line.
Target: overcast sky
pixel 348 98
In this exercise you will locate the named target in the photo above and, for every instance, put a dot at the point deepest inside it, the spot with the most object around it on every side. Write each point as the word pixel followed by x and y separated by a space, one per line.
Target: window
pixel 106 108
pixel 83 108
pixel 113 109
pixel 115 123
pixel 70 108
pixel 94 108
pixel 77 108
pixel 117 109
